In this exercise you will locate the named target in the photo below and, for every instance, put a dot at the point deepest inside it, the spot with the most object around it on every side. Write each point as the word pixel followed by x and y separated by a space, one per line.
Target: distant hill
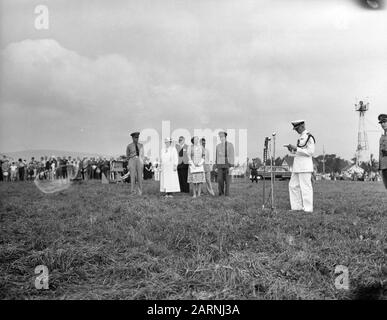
pixel 28 154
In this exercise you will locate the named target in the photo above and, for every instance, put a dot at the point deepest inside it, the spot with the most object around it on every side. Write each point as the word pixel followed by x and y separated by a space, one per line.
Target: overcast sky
pixel 105 68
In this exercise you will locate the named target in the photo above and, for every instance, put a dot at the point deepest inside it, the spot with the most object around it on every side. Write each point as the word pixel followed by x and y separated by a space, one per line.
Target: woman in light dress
pixel 169 180
pixel 196 175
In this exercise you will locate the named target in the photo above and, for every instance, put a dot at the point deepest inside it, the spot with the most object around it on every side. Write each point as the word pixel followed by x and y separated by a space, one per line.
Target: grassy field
pixel 100 243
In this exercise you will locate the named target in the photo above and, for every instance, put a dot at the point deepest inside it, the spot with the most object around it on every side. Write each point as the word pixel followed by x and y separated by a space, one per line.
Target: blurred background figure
pixel 105 167
pixel 156 169
pixel 13 169
pixel 148 172
pixel 31 169
pixel 84 165
pixel 5 168
pixel 21 169
pixel 254 171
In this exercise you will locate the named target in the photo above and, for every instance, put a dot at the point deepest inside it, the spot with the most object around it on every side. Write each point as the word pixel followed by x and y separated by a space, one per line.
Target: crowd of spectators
pixel 63 167
pixel 75 168
pixel 49 168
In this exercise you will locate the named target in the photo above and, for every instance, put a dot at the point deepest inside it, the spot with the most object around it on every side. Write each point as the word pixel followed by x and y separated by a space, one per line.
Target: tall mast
pixel 362 139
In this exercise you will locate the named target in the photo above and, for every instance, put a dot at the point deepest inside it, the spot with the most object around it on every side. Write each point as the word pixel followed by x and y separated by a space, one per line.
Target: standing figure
pixel 111 169
pixel 5 166
pixel 196 174
pixel 105 168
pixel 135 156
pixel 169 180
pixel 247 171
pixel 300 185
pixel 92 168
pixel 47 167
pixel 182 167
pixel 156 169
pixel 54 167
pixel 207 167
pixel 383 148
pixel 85 166
pixel 14 171
pixel 1 171
pixel 254 171
pixel 224 160
pixel 98 171
pixel 21 169
pixel 70 167
pixel 148 174
pixel 31 169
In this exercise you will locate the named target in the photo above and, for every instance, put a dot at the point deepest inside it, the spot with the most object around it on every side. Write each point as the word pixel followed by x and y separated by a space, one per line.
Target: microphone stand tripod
pixel 268 151
pixel 265 147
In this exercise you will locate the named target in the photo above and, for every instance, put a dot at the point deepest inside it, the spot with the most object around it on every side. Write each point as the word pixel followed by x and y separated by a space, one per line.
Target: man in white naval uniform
pixel 300 185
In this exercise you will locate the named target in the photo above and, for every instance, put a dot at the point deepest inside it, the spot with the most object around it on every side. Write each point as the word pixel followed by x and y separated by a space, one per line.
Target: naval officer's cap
pixel 135 134
pixel 382 118
pixel 297 123
pixel 222 132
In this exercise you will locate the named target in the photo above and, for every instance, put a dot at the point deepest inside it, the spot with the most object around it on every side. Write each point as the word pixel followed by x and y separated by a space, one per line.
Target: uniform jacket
pixel 303 157
pixel 383 152
pixel 131 151
pixel 220 155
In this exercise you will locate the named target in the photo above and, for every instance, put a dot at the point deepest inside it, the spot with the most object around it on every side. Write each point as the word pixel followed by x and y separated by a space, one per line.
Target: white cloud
pixel 245 64
pixel 40 76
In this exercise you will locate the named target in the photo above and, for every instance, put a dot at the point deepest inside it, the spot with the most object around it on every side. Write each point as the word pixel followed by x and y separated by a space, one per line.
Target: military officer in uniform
pixel 300 185
pixel 135 156
pixel 383 148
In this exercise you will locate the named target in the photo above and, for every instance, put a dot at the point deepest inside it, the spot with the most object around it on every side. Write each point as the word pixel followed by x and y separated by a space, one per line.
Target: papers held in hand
pixel 286 145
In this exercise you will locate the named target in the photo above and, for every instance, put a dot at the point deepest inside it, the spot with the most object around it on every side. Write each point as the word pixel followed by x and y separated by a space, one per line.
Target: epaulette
pixel 307 140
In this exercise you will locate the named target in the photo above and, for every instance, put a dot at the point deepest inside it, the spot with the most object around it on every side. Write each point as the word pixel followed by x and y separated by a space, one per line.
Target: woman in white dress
pixel 196 175
pixel 169 180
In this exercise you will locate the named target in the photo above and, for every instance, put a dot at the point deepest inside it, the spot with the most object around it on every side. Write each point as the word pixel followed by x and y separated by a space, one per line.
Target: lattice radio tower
pixel 362 139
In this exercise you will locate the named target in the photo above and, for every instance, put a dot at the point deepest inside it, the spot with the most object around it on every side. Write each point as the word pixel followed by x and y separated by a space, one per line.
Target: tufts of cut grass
pixel 99 243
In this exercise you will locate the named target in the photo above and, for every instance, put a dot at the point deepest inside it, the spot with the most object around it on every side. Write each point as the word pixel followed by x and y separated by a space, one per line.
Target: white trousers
pixel 301 191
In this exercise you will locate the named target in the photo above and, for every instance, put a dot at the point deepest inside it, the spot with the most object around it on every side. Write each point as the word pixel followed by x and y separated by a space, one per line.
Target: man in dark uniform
pixel 135 156
pixel 182 167
pixel 383 148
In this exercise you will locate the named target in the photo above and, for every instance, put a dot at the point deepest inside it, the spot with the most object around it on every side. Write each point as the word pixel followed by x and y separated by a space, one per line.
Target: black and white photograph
pixel 210 151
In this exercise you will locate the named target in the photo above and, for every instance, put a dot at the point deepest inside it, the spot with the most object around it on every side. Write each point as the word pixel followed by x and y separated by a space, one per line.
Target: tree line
pixel 333 163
